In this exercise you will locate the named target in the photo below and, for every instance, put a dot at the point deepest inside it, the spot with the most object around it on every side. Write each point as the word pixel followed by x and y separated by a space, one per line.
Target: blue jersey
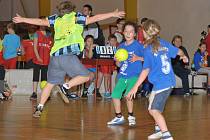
pixel 131 69
pixel 161 74
pixel 10 43
pixel 198 60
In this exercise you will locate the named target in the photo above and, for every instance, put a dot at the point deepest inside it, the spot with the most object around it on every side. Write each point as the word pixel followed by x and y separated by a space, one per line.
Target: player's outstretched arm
pixel 99 17
pixel 34 21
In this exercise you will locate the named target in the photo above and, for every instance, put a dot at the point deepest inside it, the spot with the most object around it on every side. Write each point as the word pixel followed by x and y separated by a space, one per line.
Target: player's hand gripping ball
pixel 43 84
pixel 121 55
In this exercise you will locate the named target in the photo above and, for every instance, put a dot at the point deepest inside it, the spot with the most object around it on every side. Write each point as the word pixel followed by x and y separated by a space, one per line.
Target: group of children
pixel 105 72
pixel 155 54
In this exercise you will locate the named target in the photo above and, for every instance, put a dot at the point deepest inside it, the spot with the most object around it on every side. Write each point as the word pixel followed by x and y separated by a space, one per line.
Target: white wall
pixel 185 17
pixel 10 7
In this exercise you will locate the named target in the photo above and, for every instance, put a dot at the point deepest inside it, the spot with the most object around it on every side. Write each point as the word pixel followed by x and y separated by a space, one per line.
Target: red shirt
pixel 28 46
pixel 141 36
pixel 44 46
pixel 207 41
pixel 1 58
pixel 86 52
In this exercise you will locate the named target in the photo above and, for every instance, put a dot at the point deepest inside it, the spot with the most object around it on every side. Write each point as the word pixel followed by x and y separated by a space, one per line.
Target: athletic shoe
pixel 38 112
pixel 98 94
pixel 84 94
pixel 167 138
pixel 33 96
pixel 64 93
pixel 187 94
pixel 117 121
pixel 73 96
pixel 131 120
pixel 156 135
pixel 107 95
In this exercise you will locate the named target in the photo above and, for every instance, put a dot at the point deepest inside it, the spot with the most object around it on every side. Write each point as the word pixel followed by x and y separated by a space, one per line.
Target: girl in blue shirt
pixel 201 62
pixel 157 66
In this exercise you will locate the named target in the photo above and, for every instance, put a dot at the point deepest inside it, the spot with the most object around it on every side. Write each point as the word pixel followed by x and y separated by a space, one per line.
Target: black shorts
pixel 36 72
pixel 29 64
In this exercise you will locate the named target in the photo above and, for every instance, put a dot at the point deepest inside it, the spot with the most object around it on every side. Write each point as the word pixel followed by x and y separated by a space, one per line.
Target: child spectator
pixel 106 71
pixel 128 74
pixel 201 61
pixel 42 47
pixel 11 45
pixel 89 53
pixel 93 29
pixel 207 41
pixel 28 46
pixel 140 31
pixel 119 32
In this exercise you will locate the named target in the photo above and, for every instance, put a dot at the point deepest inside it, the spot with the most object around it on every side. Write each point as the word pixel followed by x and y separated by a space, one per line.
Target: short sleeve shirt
pixel 161 74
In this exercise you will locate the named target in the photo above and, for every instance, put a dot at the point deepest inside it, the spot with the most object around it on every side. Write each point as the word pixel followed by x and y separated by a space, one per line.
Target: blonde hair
pixel 65 7
pixel 152 29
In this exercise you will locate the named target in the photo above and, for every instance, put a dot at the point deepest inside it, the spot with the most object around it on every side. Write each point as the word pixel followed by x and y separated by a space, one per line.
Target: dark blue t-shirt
pixel 131 69
pixel 198 59
pixel 161 74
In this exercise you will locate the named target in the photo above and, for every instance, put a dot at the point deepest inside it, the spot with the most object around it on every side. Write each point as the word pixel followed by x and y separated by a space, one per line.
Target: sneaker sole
pixel 73 98
pixel 37 115
pixel 132 124
pixel 116 123
pixel 63 96
pixel 33 99
pixel 155 138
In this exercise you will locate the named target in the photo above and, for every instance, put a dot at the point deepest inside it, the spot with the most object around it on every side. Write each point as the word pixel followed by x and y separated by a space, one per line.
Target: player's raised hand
pixel 119 14
pixel 18 19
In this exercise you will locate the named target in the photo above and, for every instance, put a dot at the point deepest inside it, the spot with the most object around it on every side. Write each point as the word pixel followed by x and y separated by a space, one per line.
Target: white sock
pixel 40 106
pixel 157 128
pixel 66 85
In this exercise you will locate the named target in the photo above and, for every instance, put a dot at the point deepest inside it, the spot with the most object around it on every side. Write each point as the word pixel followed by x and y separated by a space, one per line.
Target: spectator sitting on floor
pixel 5 92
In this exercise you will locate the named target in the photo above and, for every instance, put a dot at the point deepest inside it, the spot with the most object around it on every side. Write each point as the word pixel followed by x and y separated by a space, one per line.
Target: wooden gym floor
pixel 85 119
